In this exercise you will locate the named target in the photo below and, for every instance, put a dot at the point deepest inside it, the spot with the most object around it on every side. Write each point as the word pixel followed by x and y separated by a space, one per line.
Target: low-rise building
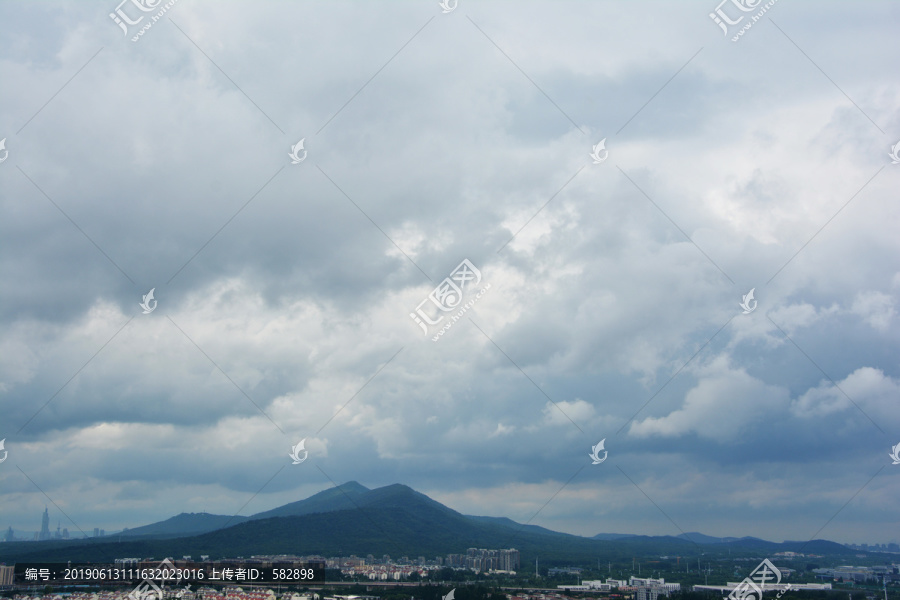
pixel 731 585
pixel 609 585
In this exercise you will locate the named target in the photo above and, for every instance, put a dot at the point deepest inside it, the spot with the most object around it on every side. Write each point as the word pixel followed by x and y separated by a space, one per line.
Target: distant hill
pixel 823 547
pixel 504 522
pixel 708 539
pixel 187 524
pixel 395 520
pixel 183 525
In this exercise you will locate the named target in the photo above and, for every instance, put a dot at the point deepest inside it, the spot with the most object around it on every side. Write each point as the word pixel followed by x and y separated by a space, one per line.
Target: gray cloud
pixel 290 286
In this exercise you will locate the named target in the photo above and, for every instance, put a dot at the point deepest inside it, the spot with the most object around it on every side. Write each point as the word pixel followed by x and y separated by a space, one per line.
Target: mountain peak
pixel 396 488
pixel 353 486
pixel 353 518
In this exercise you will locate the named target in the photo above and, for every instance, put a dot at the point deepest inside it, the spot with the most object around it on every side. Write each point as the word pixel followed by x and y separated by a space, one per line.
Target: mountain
pixel 613 536
pixel 183 525
pixel 186 524
pixel 504 522
pixel 694 536
pixel 824 547
pixel 342 497
pixel 395 520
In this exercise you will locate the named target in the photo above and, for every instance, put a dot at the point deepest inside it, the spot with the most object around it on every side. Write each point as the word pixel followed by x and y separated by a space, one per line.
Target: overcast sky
pixel 283 291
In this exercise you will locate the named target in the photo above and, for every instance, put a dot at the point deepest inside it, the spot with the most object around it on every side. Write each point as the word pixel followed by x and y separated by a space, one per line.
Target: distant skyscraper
pixel 45 526
pixel 509 560
pixel 9 535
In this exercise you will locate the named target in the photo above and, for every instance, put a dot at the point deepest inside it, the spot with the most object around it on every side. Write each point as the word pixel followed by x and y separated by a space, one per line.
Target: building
pixel 731 585
pixel 6 575
pixel 483 560
pixel 653 592
pixel 586 586
pixel 649 582
pixel 509 560
pixel 599 585
pixel 45 526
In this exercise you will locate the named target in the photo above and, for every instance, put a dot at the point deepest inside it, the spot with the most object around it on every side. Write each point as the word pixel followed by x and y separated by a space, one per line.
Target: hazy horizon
pixel 585 535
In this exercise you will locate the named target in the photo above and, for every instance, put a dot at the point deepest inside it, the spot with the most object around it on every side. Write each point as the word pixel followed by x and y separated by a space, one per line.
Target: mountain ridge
pixel 393 519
